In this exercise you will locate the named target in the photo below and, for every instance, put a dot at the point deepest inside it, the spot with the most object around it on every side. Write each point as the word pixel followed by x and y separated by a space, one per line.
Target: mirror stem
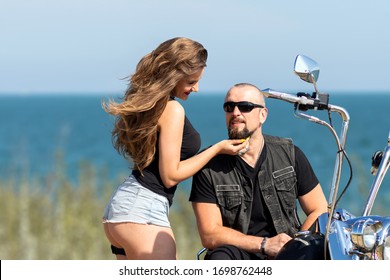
pixel 313 80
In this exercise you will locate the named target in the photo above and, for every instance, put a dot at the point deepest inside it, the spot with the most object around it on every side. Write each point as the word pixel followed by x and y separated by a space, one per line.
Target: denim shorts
pixel 131 202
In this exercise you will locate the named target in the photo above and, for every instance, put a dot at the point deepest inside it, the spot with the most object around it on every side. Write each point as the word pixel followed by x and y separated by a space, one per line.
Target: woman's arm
pixel 172 170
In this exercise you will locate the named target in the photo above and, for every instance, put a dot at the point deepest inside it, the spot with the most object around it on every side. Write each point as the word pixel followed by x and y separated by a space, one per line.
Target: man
pixel 245 204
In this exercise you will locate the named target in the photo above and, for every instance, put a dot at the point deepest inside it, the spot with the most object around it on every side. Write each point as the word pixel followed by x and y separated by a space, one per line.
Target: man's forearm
pixel 224 235
pixel 310 220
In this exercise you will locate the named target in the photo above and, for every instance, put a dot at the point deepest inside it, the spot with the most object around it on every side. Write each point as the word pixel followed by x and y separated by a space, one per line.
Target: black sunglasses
pixel 243 106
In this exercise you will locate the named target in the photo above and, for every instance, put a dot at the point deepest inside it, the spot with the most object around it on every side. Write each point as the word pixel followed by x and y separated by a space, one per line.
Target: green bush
pixel 53 219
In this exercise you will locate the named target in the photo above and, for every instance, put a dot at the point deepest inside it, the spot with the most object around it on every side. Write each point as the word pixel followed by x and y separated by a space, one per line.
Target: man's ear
pixel 263 115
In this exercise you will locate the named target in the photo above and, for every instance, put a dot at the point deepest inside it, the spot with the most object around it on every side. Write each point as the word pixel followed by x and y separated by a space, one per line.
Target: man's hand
pixel 274 244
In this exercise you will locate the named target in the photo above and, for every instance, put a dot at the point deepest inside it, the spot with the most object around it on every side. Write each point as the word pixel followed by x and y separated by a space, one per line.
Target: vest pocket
pixel 229 196
pixel 285 184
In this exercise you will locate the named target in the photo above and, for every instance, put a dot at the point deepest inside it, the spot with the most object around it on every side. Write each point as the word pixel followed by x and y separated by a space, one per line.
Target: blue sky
pixel 72 46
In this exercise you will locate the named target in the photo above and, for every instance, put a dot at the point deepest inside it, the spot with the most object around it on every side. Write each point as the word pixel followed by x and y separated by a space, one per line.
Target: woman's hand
pixel 233 147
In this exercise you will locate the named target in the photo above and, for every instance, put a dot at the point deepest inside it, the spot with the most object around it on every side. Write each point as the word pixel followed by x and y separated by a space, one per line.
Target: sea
pixel 40 133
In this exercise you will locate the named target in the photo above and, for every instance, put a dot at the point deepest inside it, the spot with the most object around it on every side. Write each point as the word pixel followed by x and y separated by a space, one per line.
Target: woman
pixel 152 130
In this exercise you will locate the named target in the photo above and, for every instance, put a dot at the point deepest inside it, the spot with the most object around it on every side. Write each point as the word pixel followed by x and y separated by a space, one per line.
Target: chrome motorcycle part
pixel 306 68
pixel 386 248
pixel 364 232
pixel 380 174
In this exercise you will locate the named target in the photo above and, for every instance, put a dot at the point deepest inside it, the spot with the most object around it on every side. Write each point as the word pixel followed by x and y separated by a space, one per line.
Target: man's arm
pixel 213 234
pixel 313 204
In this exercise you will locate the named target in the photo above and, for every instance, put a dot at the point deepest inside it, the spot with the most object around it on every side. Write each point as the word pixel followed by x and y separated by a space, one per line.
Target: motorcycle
pixel 340 235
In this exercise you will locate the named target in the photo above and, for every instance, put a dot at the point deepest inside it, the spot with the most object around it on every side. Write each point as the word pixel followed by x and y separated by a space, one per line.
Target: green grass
pixel 52 219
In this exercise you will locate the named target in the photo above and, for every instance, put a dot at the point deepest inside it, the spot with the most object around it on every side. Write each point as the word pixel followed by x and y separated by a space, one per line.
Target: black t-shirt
pixel 152 180
pixel 260 223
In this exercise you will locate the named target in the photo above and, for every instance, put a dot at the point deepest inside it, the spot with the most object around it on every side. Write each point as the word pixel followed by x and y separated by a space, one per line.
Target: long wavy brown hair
pixel 135 129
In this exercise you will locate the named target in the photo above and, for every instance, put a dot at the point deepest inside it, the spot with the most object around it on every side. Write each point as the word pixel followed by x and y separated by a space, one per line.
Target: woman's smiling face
pixel 187 85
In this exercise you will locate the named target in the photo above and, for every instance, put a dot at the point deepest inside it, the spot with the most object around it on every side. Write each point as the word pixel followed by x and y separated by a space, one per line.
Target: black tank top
pixel 152 180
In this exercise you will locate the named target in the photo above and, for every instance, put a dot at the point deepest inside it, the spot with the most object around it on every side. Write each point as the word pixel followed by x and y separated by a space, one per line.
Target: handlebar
pixel 305 101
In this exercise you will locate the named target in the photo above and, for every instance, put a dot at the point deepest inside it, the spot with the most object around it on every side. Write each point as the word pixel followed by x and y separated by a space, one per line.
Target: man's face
pixel 243 123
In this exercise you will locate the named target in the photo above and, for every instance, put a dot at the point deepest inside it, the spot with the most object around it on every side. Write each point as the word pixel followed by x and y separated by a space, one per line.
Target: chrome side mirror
pixel 306 68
